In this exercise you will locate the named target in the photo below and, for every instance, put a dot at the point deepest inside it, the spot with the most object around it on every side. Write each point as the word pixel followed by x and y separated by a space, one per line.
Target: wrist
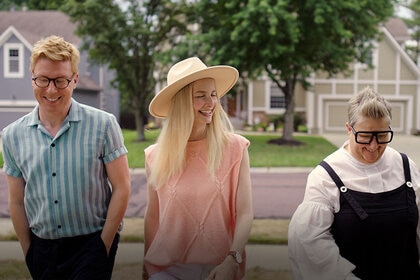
pixel 236 256
pixel 232 262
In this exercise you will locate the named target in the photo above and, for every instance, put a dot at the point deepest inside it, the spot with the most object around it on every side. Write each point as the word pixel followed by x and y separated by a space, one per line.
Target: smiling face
pixel 52 100
pixel 204 102
pixel 367 153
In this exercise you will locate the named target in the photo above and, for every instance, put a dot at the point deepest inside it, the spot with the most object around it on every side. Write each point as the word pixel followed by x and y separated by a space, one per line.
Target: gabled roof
pixel 11 31
pixel 34 25
pixel 31 26
pixel 398 29
pixel 399 49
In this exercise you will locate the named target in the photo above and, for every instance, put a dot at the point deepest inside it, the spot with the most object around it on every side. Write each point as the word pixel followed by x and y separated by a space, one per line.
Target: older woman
pixel 360 215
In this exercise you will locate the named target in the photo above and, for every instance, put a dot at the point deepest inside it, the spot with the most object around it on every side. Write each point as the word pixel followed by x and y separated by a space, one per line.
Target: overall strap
pixel 343 190
pixel 406 165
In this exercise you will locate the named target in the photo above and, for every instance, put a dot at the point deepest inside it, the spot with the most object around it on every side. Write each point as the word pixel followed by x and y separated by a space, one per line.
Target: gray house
pixel 19 31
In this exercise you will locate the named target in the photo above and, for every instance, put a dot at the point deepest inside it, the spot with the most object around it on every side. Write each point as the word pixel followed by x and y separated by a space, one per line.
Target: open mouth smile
pixel 52 99
pixel 206 113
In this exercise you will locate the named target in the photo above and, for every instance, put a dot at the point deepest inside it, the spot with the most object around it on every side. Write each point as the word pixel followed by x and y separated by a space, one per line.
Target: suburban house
pixel 324 104
pixel 19 31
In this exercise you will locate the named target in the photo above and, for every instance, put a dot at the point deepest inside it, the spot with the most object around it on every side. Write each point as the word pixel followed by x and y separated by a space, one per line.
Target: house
pixel 19 31
pixel 324 104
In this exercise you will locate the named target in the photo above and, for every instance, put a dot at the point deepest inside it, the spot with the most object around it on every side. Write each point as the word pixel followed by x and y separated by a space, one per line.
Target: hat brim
pixel 225 78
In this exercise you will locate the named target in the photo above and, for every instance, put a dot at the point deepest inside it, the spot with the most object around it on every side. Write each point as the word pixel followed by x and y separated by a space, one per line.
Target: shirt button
pixel 53 145
pixel 55 201
pixel 59 226
pixel 54 174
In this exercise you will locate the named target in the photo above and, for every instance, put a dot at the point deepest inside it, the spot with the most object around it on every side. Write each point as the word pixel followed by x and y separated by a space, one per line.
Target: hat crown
pixel 184 68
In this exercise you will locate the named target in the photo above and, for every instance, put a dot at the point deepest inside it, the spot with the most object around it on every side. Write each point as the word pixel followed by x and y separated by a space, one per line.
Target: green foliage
pixel 287 39
pixel 7 5
pixel 127 39
pixel 31 4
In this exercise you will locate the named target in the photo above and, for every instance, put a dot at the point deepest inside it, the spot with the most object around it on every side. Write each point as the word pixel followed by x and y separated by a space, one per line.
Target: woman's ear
pixel 348 128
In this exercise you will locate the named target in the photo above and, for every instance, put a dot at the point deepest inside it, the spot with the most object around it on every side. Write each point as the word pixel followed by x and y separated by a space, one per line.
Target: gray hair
pixel 368 104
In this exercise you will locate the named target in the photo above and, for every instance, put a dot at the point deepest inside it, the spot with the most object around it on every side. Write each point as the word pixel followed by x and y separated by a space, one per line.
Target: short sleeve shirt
pixel 67 191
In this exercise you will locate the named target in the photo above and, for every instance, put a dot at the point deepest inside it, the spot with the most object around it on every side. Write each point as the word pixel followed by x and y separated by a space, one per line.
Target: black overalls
pixel 377 231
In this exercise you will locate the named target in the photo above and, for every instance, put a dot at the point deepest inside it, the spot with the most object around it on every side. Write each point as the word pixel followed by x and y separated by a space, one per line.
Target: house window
pixel 277 100
pixel 13 60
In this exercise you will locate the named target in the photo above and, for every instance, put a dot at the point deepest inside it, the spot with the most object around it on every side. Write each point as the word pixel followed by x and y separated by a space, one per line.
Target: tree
pixel 288 39
pixel 127 37
pixel 413 24
pixel 6 5
pixel 31 4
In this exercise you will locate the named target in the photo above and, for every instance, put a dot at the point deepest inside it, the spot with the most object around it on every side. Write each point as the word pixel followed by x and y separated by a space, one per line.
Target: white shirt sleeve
pixel 313 253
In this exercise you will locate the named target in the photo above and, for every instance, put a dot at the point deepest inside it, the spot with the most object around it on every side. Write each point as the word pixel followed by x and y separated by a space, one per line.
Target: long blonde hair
pixel 170 153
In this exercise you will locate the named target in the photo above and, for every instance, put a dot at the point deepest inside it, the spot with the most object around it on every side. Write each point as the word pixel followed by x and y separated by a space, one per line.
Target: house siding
pixel 394 76
pixel 16 94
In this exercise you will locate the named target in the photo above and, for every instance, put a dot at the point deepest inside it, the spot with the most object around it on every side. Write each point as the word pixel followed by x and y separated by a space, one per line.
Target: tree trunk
pixel 138 115
pixel 289 93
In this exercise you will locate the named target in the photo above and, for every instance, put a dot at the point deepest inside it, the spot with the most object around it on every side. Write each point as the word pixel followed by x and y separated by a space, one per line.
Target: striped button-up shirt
pixel 67 192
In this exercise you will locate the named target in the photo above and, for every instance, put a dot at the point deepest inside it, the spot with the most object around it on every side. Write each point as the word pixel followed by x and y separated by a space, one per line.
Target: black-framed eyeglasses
pixel 59 83
pixel 366 137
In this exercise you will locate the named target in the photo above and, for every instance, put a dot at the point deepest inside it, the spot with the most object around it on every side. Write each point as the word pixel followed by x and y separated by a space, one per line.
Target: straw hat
pixel 186 72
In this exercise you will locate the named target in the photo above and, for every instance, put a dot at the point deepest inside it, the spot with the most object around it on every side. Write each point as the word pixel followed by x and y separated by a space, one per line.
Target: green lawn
pixel 262 154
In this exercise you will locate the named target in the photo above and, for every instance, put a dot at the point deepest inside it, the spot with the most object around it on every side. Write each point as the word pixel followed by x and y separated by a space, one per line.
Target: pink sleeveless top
pixel 196 214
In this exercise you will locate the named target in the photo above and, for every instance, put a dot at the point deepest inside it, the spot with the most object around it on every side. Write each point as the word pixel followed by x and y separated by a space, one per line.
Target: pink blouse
pixel 196 214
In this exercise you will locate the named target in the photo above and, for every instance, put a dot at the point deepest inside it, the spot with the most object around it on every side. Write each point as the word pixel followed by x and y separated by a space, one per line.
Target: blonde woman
pixel 199 211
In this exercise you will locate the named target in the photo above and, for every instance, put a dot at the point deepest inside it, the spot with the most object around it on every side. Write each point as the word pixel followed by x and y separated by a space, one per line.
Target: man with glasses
pixel 360 215
pixel 67 174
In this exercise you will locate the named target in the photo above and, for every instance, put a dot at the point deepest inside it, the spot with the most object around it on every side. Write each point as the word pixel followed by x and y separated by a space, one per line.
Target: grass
pixel 263 231
pixel 261 154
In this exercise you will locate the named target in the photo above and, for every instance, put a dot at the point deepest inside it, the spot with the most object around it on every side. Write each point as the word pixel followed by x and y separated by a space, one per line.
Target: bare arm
pixel 151 220
pixel 119 176
pixel 17 211
pixel 244 217
pixel 151 217
pixel 244 210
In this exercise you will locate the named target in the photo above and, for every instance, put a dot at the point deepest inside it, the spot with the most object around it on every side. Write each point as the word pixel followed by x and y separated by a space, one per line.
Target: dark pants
pixel 80 257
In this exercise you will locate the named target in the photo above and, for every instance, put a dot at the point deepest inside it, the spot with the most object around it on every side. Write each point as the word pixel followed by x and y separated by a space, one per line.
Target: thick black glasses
pixel 366 137
pixel 60 83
